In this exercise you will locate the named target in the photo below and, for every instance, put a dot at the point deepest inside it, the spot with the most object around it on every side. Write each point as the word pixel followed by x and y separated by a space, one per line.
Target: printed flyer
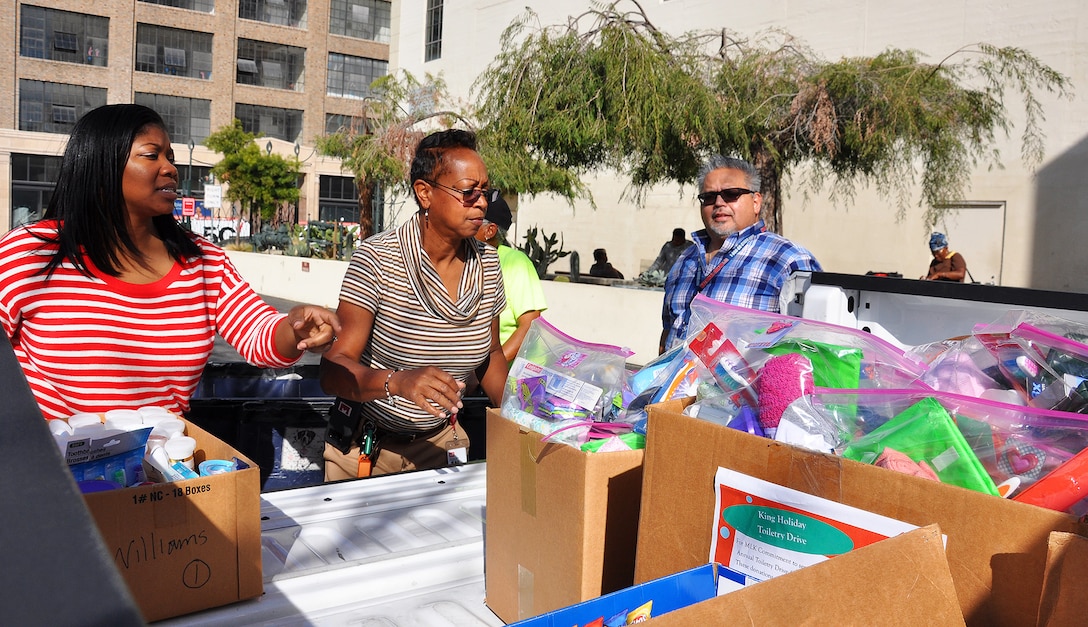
pixel 763 530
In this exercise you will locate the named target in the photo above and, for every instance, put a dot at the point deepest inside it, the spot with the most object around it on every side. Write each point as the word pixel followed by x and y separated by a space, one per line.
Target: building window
pixel 173 51
pixel 283 12
pixel 247 66
pixel 33 178
pixel 285 124
pixel 55 107
pixel 351 77
pixel 270 65
pixel 65 42
pixel 432 45
pixel 338 201
pixel 64 114
pixel 363 19
pixel 63 36
pixel 186 118
pixel 173 57
pixel 336 122
pixel 204 6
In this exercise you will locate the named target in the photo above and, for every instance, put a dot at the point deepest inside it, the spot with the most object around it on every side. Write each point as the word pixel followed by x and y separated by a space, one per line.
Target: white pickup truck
pixel 396 550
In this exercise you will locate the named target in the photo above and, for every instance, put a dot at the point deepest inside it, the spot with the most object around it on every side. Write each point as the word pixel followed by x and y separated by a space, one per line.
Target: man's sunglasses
pixel 469 197
pixel 728 195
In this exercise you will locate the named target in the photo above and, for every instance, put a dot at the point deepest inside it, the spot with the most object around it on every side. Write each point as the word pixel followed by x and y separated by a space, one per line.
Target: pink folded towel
pixel 782 380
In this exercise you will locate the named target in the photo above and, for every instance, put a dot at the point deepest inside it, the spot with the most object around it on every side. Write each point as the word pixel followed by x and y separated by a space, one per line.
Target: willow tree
pixel 608 89
pixel 400 111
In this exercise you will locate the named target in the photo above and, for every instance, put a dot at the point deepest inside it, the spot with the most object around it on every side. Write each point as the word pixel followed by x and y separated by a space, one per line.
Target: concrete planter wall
pixel 623 316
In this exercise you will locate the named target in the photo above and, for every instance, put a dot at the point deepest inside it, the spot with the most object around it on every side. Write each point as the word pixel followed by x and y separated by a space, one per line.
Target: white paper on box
pixel 763 530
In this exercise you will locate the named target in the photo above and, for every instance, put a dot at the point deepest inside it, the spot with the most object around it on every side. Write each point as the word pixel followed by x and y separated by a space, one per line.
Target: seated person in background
pixel 109 303
pixel 524 295
pixel 671 251
pixel 601 268
pixel 947 265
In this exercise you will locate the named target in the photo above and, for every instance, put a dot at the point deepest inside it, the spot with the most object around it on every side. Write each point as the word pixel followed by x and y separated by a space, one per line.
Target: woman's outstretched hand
pixel 315 327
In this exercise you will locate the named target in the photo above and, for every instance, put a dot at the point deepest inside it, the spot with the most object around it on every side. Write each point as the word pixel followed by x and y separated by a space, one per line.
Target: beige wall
pixel 1045 213
pixel 592 313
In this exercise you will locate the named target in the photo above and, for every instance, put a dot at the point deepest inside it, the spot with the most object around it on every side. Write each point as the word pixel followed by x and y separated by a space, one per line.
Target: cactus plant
pixel 544 255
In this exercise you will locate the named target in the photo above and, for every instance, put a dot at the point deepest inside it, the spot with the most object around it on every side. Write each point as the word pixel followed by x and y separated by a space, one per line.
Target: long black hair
pixel 89 203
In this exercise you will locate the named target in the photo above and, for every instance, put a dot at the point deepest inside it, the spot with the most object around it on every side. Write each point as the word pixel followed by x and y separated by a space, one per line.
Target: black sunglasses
pixel 728 195
pixel 469 197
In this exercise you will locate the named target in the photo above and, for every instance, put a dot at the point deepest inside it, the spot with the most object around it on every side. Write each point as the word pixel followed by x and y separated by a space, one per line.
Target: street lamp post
pixel 298 180
pixel 187 189
pixel 257 219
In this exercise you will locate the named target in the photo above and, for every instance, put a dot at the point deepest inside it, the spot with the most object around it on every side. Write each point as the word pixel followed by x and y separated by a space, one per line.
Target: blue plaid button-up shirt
pixel 757 266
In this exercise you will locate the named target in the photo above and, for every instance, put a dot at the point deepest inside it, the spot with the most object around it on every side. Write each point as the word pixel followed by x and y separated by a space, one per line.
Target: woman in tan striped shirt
pixel 419 306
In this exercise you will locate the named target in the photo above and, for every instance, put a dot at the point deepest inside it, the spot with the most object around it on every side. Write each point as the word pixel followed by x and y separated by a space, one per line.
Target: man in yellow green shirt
pixel 524 295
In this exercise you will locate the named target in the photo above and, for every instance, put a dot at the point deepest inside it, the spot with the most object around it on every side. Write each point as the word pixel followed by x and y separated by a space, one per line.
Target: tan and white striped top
pixel 416 324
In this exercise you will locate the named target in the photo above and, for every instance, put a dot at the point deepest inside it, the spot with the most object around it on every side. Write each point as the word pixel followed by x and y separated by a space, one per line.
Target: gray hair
pixel 718 162
pixel 500 233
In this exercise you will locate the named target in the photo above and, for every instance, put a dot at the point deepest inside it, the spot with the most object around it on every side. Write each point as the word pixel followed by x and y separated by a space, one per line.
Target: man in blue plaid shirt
pixel 734 259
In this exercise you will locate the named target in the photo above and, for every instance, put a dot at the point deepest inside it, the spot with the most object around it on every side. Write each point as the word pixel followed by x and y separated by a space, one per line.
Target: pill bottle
pixel 123 419
pixel 181 449
pixel 152 414
pixel 171 428
pixel 85 423
pixel 59 427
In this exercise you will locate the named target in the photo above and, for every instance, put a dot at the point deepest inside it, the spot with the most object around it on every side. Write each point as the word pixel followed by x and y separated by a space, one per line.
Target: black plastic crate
pixel 275 416
pixel 237 380
pixel 285 437
pixel 279 418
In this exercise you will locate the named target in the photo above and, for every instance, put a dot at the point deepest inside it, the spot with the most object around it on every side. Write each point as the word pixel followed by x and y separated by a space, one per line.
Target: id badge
pixel 456 452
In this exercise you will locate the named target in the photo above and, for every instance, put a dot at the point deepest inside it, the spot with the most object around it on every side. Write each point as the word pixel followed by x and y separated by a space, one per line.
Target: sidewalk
pixel 225 353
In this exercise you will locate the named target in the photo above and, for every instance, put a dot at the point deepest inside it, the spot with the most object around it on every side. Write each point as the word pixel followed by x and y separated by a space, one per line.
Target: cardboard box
pixel 899 581
pixel 561 524
pixel 1063 600
pixel 996 548
pixel 188 545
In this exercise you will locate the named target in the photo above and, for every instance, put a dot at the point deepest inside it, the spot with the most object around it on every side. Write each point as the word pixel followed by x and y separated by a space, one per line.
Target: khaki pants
pixel 395 455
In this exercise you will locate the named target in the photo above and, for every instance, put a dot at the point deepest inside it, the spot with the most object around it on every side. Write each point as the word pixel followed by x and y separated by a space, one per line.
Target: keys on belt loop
pixel 367 443
pixel 366 448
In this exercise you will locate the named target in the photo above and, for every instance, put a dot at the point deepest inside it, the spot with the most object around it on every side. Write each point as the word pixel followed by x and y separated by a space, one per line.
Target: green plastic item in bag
pixel 832 366
pixel 633 440
pixel 925 432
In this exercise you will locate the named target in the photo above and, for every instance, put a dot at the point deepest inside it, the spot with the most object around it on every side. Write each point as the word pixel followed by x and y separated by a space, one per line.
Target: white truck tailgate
pixel 388 551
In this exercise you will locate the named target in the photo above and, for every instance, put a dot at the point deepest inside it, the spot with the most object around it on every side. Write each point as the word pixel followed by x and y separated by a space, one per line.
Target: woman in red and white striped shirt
pixel 109 303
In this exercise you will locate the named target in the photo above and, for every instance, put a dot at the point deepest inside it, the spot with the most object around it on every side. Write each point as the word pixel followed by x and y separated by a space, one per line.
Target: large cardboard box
pixel 561 524
pixel 1064 601
pixel 996 548
pixel 899 581
pixel 188 545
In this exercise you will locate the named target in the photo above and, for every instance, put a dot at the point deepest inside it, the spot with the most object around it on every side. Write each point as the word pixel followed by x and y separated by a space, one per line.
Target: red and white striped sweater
pixel 91 344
